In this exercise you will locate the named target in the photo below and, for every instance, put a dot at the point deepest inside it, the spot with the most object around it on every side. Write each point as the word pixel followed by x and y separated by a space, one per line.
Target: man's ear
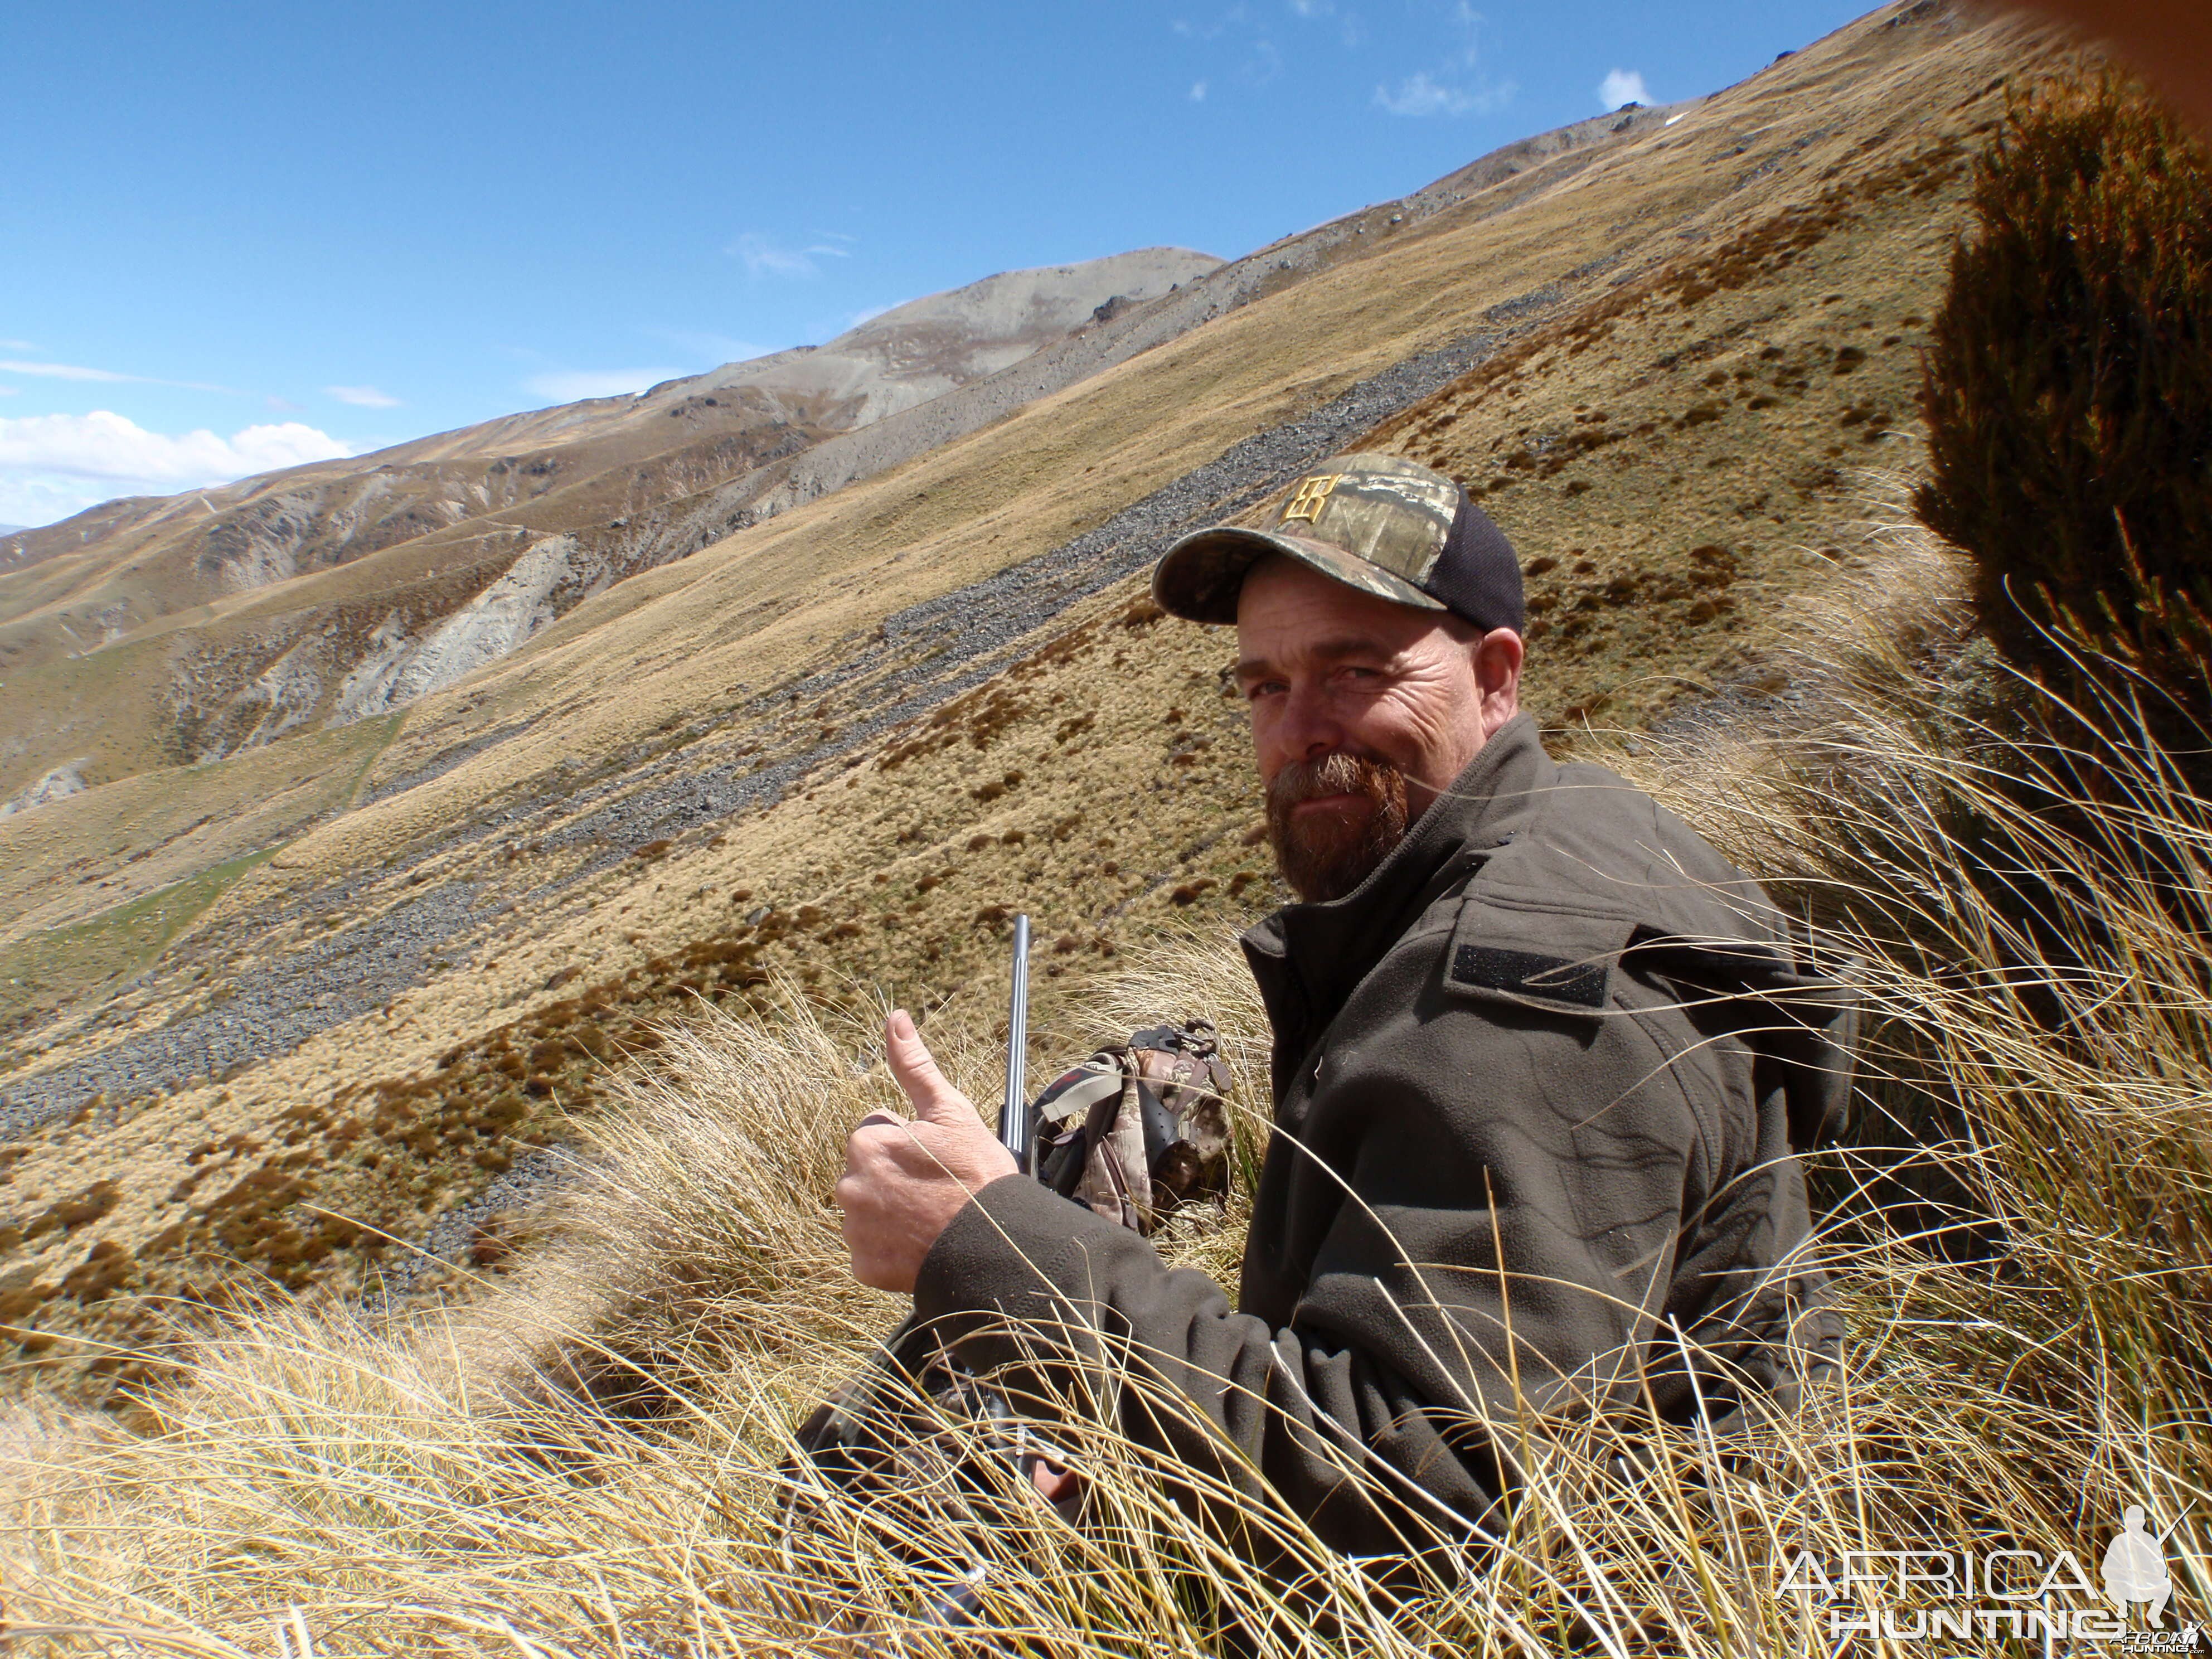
pixel 1497 658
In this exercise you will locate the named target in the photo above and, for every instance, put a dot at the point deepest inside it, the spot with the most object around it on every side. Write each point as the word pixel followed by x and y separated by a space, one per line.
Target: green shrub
pixel 2068 387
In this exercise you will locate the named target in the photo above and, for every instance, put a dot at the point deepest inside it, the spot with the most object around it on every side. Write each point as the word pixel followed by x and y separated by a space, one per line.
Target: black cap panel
pixel 1478 576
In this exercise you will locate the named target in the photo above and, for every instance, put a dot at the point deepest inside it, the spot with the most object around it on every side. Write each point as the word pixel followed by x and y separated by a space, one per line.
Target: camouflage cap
pixel 1383 524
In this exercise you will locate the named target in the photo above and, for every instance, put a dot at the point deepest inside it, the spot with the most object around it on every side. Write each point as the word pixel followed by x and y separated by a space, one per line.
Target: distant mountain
pixel 338 590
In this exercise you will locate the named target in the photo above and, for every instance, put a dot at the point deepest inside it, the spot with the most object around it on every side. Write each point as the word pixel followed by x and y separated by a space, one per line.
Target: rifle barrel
pixel 1017 1134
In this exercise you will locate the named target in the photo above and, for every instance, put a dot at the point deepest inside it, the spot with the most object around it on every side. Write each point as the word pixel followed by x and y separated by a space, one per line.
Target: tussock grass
pixel 588 1459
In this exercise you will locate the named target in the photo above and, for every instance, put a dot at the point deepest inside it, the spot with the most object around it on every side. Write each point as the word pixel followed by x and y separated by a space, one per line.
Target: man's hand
pixel 904 1181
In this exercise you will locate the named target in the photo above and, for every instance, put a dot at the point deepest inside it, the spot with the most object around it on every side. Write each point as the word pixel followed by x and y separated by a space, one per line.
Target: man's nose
pixel 1310 728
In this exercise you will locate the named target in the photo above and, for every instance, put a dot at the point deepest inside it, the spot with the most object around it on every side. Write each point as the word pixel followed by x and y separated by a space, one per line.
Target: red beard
pixel 1324 855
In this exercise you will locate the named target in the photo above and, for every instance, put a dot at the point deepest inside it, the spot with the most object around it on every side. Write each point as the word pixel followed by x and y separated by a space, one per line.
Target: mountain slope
pixel 361 973
pixel 149 631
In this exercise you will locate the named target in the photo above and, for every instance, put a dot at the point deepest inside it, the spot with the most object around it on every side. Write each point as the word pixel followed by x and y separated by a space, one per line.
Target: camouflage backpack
pixel 1140 1128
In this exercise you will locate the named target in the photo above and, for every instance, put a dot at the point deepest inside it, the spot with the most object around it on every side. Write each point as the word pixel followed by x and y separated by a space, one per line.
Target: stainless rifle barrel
pixel 1016 1132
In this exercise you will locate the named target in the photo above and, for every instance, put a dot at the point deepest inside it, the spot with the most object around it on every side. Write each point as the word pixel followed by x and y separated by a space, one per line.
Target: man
pixel 1540 1058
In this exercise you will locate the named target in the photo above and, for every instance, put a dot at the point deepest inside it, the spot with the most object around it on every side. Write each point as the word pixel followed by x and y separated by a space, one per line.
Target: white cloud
pixel 1198 92
pixel 1418 95
pixel 64 372
pixel 1421 93
pixel 78 372
pixel 9 391
pixel 765 259
pixel 764 256
pixel 1623 87
pixel 710 348
pixel 29 501
pixel 361 396
pixel 106 445
pixel 52 465
pixel 568 385
pixel 1349 31
pixel 17 345
pixel 1457 86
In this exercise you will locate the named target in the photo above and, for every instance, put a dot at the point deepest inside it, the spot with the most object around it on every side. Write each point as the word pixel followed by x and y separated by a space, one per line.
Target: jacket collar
pixel 1308 959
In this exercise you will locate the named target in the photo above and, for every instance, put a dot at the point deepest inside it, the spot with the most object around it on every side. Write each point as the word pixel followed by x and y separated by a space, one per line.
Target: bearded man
pixel 1540 1059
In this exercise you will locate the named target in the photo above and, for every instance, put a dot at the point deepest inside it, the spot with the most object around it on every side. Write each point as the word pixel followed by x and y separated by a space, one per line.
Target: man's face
pixel 1363 713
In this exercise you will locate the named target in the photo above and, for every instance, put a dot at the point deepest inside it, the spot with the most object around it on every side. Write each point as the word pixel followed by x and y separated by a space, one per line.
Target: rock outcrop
pixel 59 784
pixel 519 605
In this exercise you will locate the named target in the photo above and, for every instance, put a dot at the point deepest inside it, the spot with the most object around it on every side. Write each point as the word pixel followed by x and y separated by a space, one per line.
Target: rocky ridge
pixel 938 650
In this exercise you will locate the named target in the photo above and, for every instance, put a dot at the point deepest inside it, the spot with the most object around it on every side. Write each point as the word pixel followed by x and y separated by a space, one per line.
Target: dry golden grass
pixel 586 1462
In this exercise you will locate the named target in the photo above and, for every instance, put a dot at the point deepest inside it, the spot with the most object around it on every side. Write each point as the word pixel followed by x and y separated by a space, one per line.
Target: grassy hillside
pixel 844 744
pixel 587 1456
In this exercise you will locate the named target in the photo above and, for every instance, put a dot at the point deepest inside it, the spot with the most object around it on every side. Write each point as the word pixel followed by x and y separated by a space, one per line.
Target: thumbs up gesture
pixel 905 1179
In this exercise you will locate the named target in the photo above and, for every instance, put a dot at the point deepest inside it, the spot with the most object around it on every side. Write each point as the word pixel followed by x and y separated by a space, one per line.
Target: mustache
pixel 1338 774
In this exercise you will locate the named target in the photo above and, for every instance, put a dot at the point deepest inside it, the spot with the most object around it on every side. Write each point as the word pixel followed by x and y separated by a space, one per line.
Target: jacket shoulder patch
pixel 1525 973
pixel 1530 931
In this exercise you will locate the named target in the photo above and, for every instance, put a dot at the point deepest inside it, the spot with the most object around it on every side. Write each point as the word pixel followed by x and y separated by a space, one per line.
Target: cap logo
pixel 1307 500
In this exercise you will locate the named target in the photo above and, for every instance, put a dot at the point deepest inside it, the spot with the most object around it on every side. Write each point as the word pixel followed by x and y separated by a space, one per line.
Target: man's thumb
pixel 933 1099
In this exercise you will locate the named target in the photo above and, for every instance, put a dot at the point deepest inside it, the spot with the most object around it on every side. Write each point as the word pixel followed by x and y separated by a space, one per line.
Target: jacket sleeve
pixel 1023 1276
pixel 1371 1411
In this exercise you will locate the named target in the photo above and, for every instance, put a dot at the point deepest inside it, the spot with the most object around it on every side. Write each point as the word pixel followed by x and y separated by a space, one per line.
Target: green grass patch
pixel 40 972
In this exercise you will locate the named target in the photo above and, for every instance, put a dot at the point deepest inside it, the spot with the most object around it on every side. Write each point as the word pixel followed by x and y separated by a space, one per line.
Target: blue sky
pixel 239 236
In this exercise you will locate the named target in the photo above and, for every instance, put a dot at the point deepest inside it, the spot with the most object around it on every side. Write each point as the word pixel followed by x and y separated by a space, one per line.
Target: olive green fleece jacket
pixel 1537 1086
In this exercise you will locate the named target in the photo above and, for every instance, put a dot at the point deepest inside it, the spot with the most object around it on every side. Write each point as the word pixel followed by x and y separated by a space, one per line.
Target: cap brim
pixel 1200 576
